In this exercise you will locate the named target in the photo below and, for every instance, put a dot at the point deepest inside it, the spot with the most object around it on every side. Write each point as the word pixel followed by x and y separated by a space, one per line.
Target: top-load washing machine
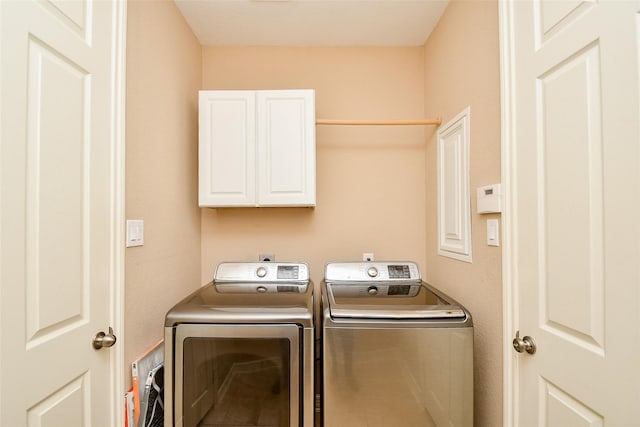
pixel 396 351
pixel 239 351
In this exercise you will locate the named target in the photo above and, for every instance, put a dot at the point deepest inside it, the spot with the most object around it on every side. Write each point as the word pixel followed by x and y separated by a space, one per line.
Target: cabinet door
pixel 227 154
pixel 286 148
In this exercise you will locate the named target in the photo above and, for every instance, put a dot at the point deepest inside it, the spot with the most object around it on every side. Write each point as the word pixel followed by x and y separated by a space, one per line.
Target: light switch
pixel 135 232
pixel 493 233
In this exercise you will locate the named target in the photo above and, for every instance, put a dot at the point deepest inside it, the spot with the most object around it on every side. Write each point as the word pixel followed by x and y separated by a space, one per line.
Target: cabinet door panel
pixel 227 148
pixel 286 148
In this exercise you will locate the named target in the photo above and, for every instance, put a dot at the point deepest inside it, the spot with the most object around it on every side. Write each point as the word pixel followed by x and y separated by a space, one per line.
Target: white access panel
pixel 454 210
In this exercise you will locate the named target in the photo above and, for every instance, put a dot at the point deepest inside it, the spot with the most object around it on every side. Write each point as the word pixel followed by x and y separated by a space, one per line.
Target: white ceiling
pixel 312 22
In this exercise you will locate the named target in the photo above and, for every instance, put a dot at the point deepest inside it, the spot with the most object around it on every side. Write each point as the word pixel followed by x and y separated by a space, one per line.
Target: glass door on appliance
pixel 232 375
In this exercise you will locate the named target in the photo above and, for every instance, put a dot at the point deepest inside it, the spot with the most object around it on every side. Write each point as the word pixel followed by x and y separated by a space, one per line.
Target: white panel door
pixel 227 148
pixel 454 206
pixel 286 148
pixel 572 162
pixel 61 212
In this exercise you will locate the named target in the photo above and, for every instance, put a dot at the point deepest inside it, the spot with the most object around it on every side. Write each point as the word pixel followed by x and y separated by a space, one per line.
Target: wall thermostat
pixel 490 199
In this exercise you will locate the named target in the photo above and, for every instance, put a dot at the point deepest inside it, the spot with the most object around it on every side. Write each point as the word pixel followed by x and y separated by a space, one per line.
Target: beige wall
pixel 370 181
pixel 462 69
pixel 376 192
pixel 164 65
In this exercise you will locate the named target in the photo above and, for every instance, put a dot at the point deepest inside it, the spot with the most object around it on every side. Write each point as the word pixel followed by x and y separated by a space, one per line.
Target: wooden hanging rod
pixel 435 122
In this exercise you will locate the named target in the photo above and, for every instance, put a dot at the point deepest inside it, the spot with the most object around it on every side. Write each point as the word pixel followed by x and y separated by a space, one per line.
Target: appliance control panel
pixel 377 271
pixel 273 272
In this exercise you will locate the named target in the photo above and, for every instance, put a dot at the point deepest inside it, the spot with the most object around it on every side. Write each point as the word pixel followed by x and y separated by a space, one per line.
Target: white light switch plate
pixel 135 232
pixel 493 232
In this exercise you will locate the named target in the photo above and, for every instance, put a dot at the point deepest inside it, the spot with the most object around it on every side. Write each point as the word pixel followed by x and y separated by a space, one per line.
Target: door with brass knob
pixel 104 339
pixel 524 344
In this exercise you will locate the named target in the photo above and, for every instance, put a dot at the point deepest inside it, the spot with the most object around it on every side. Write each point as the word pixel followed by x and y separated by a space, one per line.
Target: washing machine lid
pixel 389 301
pixel 385 290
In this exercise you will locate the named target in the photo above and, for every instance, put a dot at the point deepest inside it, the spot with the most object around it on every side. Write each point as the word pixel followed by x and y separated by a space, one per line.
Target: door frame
pixel 118 115
pixel 509 177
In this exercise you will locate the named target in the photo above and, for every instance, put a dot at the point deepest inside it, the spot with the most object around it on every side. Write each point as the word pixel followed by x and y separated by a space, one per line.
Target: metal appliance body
pixel 396 351
pixel 239 351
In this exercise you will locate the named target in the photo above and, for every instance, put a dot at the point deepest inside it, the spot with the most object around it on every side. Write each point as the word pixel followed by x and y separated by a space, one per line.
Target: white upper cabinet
pixel 227 148
pixel 257 148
